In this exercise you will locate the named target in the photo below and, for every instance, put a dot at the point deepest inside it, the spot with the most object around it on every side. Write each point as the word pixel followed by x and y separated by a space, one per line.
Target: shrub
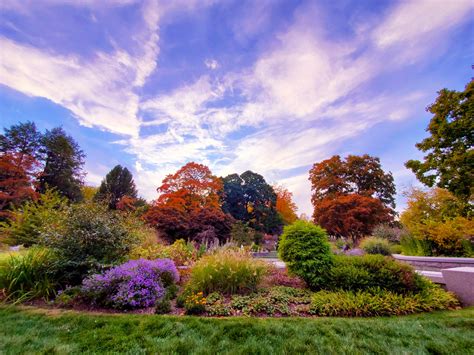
pixel 163 306
pixel 91 236
pixel 415 247
pixel 242 234
pixel 195 303
pixel 34 217
pixel 30 275
pixel 354 273
pixel 180 252
pixel 307 253
pixel 385 231
pixel 380 302
pixel 227 271
pixel 135 284
pixel 374 245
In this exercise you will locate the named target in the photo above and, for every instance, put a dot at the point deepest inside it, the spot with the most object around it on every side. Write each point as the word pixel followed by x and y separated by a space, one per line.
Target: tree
pixel 189 206
pixel 285 205
pixel 449 162
pixel 117 184
pixel 23 140
pixel 351 216
pixel 63 164
pixel 434 217
pixel 191 187
pixel 361 175
pixel 16 184
pixel 251 199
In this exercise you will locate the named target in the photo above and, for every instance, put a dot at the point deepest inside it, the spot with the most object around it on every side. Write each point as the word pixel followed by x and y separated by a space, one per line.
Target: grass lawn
pixel 30 330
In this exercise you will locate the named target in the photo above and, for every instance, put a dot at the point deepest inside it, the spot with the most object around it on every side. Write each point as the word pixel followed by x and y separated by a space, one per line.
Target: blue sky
pixel 270 86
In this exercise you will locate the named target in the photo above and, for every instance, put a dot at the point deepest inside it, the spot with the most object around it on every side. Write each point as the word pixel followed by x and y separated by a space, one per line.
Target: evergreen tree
pixel 63 162
pixel 116 184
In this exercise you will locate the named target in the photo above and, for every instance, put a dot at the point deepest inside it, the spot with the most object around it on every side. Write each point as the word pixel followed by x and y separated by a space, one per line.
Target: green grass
pixel 30 330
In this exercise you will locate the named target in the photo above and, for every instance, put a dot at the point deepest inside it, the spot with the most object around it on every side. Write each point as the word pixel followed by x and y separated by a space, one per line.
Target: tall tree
pixel 251 199
pixel 63 162
pixel 285 205
pixel 22 139
pixel 361 175
pixel 449 162
pixel 117 184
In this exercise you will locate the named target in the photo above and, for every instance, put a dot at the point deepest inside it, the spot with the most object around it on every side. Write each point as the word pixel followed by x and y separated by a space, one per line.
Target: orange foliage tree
pixel 285 205
pixel 353 216
pixel 16 181
pixel 189 206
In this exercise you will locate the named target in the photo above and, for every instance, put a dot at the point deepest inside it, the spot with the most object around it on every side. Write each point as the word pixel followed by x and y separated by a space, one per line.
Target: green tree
pixel 117 184
pixel 21 139
pixel 251 199
pixel 63 164
pixel 449 162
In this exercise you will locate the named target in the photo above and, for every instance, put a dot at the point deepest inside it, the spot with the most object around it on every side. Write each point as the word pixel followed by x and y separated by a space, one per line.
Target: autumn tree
pixel 449 159
pixel 63 162
pixel 19 154
pixel 362 175
pixel 350 216
pixel 351 196
pixel 285 205
pixel 16 184
pixel 189 206
pixel 435 217
pixel 117 184
pixel 251 199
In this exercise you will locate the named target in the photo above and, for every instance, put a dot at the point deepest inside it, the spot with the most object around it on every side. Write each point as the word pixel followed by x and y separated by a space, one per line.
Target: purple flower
pixel 135 284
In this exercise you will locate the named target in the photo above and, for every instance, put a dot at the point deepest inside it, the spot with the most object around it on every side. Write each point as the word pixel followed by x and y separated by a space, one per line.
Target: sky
pixel 269 86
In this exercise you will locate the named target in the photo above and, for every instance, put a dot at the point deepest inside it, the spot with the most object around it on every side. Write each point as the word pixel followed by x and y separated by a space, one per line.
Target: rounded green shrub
pixel 373 245
pixel 307 253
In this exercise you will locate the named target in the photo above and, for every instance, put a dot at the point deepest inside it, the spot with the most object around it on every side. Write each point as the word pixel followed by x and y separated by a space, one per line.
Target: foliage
pixel 285 205
pixel 63 161
pixel 350 216
pixel 117 184
pixel 89 237
pixel 378 302
pixel 449 159
pixel 16 182
pixel 362 175
pixel 26 224
pixel 30 275
pixel 373 245
pixel 195 303
pixel 391 233
pixel 305 249
pixel 414 246
pixel 434 217
pixel 135 284
pixel 353 273
pixel 191 187
pixel 226 271
pixel 22 139
pixel 180 252
pixel 56 331
pixel 163 306
pixel 249 198
pixel 88 193
pixel 242 234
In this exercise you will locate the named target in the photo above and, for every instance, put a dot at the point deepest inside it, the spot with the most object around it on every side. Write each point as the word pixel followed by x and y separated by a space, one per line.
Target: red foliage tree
pixel 16 181
pixel 353 216
pixel 189 207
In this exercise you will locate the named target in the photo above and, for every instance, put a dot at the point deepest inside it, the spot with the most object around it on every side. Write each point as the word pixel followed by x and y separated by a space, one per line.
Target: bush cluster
pixel 377 302
pixel 180 252
pixel 307 253
pixel 226 271
pixel 135 284
pixel 355 273
pixel 373 245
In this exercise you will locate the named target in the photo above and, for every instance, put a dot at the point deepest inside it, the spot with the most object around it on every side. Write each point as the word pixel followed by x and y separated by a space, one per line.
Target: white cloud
pixel 211 64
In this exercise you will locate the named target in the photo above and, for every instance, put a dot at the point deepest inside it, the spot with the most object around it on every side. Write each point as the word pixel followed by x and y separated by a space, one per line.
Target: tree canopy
pixel 117 184
pixel 285 205
pixel 63 162
pixel 449 159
